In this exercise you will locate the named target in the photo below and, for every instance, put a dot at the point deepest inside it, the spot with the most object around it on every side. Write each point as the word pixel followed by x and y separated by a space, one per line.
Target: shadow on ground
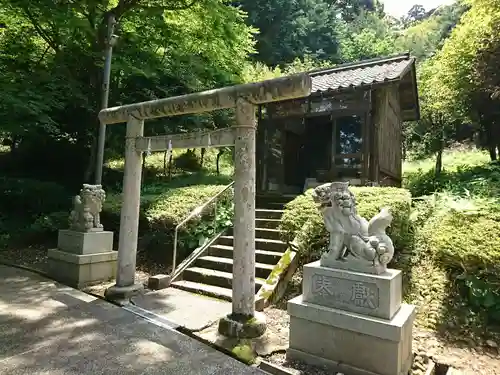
pixel 49 328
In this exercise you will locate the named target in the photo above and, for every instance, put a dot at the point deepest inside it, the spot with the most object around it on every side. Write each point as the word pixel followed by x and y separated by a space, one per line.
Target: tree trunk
pixel 493 153
pixel 90 170
pixel 170 166
pixel 165 163
pixel 202 152
pixel 439 162
pixel 144 167
pixel 219 154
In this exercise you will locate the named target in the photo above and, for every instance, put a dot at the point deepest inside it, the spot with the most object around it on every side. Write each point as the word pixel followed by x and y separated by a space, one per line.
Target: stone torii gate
pixel 243 321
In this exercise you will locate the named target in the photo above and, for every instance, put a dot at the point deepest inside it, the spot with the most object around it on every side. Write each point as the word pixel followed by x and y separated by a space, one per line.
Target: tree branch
pixel 41 32
pixel 187 5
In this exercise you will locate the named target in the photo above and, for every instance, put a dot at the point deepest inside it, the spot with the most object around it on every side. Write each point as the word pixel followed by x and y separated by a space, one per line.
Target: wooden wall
pixel 386 159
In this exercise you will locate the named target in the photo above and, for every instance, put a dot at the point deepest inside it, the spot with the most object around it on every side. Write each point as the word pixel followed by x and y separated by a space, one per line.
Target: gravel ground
pixel 427 345
pixel 469 356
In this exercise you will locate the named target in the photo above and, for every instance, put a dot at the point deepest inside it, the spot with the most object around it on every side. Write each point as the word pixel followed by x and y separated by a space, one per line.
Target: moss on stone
pixel 244 351
pixel 242 326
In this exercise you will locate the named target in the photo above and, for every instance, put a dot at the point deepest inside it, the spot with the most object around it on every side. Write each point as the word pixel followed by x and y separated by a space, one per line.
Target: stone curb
pixel 273 369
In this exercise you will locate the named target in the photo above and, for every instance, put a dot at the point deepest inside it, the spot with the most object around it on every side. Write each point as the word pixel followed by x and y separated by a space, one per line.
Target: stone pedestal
pixel 352 322
pixel 83 258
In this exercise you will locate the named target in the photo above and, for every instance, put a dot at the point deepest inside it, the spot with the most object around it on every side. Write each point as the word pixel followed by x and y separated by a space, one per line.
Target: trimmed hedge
pixel 160 214
pixel 303 222
pixel 463 237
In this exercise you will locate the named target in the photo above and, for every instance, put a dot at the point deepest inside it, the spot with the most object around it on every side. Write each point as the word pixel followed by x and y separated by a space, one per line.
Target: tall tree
pixel 290 29
pixel 52 59
pixel 460 74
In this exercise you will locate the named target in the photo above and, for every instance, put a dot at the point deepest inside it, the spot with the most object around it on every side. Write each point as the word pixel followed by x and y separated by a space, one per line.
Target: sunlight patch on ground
pixel 451 160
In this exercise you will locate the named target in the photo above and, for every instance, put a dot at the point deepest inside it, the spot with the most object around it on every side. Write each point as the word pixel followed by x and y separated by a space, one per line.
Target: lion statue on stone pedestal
pixel 87 206
pixel 352 238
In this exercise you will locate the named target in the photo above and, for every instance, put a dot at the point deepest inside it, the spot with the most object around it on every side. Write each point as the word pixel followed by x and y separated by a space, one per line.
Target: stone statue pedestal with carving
pixel 83 258
pixel 84 253
pixel 352 322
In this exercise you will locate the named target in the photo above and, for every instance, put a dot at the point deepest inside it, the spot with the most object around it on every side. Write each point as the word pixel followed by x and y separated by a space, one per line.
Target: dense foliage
pixel 458 86
pixel 51 69
pixel 52 62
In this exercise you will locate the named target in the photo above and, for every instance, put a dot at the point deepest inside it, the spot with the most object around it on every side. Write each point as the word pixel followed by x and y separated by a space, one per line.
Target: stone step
pixel 207 290
pixel 264 233
pixel 260 243
pixel 262 270
pixel 277 198
pixel 271 205
pixel 267 223
pixel 268 214
pixel 216 278
pixel 261 256
pixel 268 233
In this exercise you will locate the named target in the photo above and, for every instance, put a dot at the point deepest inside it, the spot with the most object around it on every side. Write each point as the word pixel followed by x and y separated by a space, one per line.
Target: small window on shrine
pixel 351 163
pixel 263 111
pixel 348 135
pixel 348 167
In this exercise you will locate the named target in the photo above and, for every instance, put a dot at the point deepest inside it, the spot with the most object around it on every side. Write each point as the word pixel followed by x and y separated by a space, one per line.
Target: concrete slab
pixel 68 332
pixel 189 310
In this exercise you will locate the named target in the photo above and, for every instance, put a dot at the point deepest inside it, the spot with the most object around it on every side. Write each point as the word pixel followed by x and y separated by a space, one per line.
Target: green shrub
pixel 50 223
pixel 188 161
pixel 160 213
pixel 462 235
pixel 480 180
pixel 27 197
pixel 302 221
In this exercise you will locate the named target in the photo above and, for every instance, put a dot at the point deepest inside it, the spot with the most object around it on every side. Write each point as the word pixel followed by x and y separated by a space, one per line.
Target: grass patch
pixel 452 159
pixel 464 173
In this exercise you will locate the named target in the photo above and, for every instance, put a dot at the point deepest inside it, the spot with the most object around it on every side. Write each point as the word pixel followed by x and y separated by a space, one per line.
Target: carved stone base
pixel 83 243
pixel 81 270
pixel 123 294
pixel 372 295
pixel 243 327
pixel 350 343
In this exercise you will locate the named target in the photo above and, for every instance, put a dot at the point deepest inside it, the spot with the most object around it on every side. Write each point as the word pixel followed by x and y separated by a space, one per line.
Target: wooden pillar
pixel 244 211
pixel 129 219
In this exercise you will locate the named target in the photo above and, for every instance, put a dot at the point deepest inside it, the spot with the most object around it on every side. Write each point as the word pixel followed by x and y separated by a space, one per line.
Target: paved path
pixel 189 310
pixel 47 328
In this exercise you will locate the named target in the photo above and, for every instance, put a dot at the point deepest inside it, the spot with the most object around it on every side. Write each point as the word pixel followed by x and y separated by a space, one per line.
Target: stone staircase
pixel 211 274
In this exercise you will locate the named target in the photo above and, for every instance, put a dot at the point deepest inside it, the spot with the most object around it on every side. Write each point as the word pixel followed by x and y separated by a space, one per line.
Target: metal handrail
pixel 197 211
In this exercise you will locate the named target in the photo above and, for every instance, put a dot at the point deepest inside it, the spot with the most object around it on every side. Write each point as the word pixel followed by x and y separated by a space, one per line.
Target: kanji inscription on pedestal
pixel 363 296
pixel 337 292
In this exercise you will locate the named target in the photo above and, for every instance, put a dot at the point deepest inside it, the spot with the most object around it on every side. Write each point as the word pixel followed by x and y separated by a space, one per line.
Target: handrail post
pixel 174 257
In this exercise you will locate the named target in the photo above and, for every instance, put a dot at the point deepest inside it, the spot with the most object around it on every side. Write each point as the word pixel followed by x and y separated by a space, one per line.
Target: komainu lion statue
pixel 355 243
pixel 86 209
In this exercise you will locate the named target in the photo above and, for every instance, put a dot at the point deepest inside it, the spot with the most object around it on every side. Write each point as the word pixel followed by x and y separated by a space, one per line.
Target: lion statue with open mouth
pixel 355 243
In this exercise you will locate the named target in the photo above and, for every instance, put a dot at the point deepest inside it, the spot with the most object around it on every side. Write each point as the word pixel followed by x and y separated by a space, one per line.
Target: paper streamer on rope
pixel 169 149
pixel 148 151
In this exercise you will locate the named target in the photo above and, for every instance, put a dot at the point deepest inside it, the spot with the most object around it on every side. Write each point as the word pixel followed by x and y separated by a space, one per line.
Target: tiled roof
pixel 361 74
